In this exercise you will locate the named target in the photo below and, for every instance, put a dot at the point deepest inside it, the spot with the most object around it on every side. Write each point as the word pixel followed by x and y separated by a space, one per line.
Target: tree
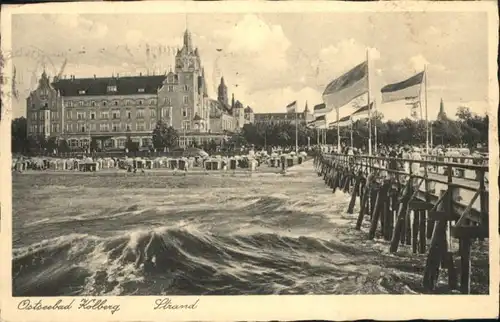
pixel 63 146
pixel 19 136
pixel 51 144
pixel 212 147
pixel 93 145
pixel 164 136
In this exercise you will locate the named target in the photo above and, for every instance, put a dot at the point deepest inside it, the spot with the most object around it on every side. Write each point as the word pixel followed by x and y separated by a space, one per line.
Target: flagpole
pixel 296 131
pixel 426 114
pixel 352 142
pixel 338 131
pixel 369 109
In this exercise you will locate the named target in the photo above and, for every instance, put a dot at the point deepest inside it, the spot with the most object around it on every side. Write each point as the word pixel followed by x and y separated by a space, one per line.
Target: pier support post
pixel 364 202
pixel 437 246
pixel 422 231
pixel 465 264
pixel 378 208
pixel 400 220
pixel 354 195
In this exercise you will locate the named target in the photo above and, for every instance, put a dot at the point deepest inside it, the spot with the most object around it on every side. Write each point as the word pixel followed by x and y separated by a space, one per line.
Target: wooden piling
pixel 364 203
pixel 422 231
pixel 465 264
pixel 400 219
pixel 415 226
pixel 354 195
pixel 437 246
pixel 378 208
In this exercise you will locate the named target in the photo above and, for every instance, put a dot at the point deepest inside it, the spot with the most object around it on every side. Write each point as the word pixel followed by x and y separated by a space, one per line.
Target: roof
pixel 99 86
pixel 248 109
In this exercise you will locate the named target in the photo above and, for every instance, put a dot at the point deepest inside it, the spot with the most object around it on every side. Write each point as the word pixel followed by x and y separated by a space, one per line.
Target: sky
pixel 267 59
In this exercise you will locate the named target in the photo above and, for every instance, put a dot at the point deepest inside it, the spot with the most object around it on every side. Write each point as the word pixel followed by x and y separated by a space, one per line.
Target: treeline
pixel 469 129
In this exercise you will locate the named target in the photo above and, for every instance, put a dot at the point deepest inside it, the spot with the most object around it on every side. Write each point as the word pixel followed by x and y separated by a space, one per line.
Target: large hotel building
pixel 111 109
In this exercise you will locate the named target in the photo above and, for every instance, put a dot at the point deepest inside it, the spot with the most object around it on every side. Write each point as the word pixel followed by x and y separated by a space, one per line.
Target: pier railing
pixel 423 202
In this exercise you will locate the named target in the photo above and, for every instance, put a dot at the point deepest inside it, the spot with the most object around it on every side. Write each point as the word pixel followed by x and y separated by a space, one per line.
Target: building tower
pixel 442 114
pixel 222 92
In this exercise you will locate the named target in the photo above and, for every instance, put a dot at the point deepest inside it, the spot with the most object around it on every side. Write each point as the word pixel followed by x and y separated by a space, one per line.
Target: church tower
pixel 222 92
pixel 442 114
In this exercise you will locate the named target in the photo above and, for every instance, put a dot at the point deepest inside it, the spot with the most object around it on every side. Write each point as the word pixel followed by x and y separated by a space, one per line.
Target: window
pixel 140 102
pixel 186 88
pixel 168 101
pixel 170 88
pixel 104 103
pixel 170 79
pixel 93 127
pixel 104 115
pixel 116 127
pixel 129 127
pixel 82 128
pixel 115 102
pixel 186 125
pixel 153 125
pixel 140 90
pixel 32 105
pixel 92 104
pixel 33 117
pixel 127 102
pixel 152 112
pixel 141 126
pixel 120 143
pixel 104 127
pixel 152 102
pixel 129 115
pixel 112 88
pixel 80 103
pixel 80 115
pixel 116 115
pixel 81 92
pixel 184 113
pixel 185 99
pixel 139 113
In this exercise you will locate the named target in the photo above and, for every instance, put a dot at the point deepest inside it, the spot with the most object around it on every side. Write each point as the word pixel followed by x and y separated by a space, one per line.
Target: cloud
pixel 81 25
pixel 277 99
pixel 254 38
pixel 337 59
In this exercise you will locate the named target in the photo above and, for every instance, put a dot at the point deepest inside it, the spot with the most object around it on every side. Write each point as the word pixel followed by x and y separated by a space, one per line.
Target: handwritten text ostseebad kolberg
pixel 66 305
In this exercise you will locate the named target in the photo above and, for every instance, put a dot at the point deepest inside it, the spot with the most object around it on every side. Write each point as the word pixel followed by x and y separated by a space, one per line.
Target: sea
pixel 92 234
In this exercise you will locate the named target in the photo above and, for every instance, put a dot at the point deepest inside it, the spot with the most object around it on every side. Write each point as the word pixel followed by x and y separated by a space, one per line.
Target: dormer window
pixel 81 92
pixel 112 88
pixel 141 90
pixel 170 79
pixel 140 102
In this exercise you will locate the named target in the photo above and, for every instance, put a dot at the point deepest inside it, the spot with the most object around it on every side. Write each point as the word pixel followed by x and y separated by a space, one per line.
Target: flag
pixel 322 109
pixel 345 121
pixel 362 112
pixel 319 121
pixel 292 107
pixel 347 87
pixel 406 90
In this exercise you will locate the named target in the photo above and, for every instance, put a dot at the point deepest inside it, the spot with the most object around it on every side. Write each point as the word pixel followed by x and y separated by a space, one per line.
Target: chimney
pixel 95 76
pixel 117 75
pixel 140 74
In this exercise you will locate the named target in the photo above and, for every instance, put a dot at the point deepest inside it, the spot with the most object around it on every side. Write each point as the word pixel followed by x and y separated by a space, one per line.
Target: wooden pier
pixel 423 203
